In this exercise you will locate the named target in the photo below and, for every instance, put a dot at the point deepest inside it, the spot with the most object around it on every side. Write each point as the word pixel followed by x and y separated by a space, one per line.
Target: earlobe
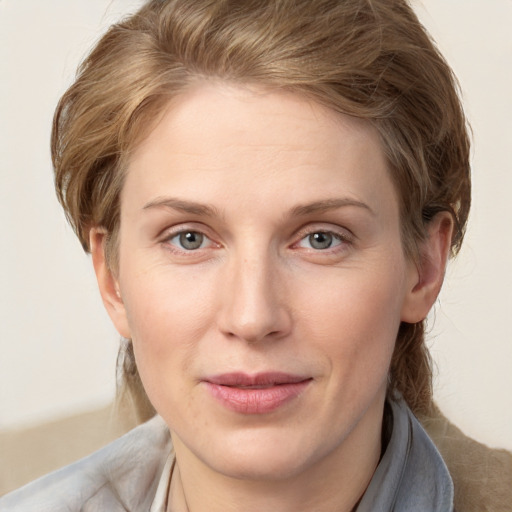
pixel 108 283
pixel 427 277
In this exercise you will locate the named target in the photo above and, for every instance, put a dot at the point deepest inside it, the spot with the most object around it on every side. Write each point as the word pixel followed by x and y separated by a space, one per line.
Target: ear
pixel 108 283
pixel 426 277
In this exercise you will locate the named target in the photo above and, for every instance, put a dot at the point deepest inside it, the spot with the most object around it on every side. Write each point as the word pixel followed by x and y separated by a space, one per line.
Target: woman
pixel 270 192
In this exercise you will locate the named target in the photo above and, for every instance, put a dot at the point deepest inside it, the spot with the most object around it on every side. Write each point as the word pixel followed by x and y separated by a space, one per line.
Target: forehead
pixel 263 144
pixel 211 109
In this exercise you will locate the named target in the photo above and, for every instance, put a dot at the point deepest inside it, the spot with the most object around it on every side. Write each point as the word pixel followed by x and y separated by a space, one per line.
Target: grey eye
pixel 190 240
pixel 320 240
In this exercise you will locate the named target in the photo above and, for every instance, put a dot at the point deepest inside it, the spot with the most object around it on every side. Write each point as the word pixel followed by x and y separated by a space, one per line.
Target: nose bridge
pixel 254 307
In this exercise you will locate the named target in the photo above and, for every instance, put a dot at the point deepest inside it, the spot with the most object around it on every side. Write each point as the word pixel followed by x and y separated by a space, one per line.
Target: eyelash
pixel 341 241
pixel 168 240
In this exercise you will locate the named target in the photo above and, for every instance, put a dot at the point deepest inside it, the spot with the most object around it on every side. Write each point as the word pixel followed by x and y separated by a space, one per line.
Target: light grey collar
pixel 411 475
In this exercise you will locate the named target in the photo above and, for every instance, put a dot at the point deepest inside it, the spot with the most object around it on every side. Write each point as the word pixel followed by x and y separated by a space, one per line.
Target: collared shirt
pixel 133 474
pixel 411 475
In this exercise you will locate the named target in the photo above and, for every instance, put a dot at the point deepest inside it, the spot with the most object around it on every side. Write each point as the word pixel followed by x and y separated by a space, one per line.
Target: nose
pixel 254 303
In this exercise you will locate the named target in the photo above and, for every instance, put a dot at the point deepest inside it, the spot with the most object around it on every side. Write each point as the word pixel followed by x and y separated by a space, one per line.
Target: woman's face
pixel 262 279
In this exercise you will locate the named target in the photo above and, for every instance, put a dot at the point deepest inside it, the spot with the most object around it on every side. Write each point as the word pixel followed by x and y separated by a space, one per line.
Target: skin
pixel 257 174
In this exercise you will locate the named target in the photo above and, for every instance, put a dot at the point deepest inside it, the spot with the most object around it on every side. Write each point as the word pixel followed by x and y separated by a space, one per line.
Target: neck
pixel 335 483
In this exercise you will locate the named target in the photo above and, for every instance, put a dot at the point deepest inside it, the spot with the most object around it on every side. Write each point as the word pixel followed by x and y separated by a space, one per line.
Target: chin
pixel 262 468
pixel 267 457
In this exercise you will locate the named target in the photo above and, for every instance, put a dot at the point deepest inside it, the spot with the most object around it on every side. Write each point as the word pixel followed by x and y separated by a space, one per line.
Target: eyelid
pixel 344 234
pixel 337 241
pixel 171 232
pixel 180 227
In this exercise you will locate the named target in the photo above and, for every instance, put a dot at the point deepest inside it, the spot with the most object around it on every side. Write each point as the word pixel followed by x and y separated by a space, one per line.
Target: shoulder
pixel 482 476
pixel 123 474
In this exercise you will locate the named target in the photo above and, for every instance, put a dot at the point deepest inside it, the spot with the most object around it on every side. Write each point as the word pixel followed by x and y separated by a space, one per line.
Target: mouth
pixel 261 393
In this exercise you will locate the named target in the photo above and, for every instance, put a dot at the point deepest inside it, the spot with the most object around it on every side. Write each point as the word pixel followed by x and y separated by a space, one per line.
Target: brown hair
pixel 367 58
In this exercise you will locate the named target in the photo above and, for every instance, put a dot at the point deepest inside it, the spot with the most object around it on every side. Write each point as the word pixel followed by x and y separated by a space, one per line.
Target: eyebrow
pixel 190 207
pixel 327 205
pixel 207 210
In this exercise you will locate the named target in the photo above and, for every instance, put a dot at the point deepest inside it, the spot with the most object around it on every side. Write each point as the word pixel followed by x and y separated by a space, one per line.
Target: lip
pixel 256 394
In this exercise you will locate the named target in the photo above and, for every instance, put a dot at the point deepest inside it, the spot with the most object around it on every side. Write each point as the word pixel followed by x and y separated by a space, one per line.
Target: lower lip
pixel 256 400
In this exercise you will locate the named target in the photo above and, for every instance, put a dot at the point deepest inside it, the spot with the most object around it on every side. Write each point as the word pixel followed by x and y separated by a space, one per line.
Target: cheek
pixel 168 314
pixel 162 300
pixel 356 320
pixel 172 317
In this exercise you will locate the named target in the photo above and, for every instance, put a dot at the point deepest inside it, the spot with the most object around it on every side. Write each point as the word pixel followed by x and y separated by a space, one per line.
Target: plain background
pixel 57 348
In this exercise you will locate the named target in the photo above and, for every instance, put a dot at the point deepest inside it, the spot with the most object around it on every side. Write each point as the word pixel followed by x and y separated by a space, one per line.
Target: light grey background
pixel 57 348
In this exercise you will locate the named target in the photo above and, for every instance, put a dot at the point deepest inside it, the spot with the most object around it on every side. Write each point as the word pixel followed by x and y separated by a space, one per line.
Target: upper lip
pixel 263 379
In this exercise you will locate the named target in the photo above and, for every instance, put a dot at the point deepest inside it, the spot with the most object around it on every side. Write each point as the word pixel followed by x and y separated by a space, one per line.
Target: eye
pixel 189 240
pixel 321 240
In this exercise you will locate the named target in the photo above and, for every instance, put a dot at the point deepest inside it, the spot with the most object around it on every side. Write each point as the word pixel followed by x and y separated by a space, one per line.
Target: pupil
pixel 320 240
pixel 191 240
